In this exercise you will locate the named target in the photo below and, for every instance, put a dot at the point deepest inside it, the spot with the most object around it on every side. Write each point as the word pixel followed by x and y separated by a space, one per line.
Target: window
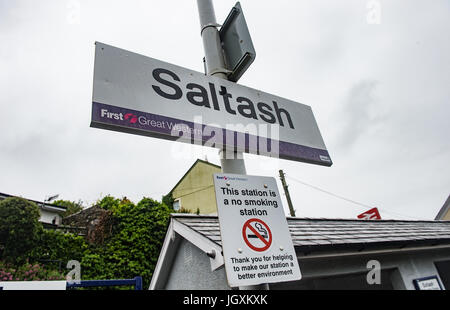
pixel 177 204
pixel 444 272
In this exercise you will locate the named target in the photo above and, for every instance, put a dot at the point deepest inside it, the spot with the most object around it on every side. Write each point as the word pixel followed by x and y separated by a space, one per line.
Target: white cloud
pixel 386 84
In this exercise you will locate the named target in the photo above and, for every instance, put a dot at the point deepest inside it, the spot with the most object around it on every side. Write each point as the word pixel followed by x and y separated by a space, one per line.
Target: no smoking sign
pixel 257 235
pixel 256 242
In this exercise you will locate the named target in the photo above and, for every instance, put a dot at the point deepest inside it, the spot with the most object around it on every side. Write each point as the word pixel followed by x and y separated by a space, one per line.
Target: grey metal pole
pixel 231 162
pixel 215 65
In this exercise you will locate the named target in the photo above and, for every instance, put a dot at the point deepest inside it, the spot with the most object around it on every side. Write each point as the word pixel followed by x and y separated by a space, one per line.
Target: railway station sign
pixel 145 96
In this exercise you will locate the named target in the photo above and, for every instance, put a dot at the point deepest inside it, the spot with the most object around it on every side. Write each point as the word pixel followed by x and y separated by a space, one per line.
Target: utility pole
pixel 232 162
pixel 286 192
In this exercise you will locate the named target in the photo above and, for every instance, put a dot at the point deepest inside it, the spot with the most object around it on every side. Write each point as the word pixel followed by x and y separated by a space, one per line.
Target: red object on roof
pixel 372 214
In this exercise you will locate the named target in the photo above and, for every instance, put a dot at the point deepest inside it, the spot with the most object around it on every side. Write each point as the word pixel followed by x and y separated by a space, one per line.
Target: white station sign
pixel 141 95
pixel 256 241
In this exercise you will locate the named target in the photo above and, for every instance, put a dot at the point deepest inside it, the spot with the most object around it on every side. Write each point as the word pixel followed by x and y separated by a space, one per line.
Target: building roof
pixel 444 210
pixel 42 205
pixel 192 167
pixel 325 233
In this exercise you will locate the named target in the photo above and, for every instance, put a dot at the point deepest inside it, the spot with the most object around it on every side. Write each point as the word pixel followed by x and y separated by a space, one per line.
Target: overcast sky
pixel 376 74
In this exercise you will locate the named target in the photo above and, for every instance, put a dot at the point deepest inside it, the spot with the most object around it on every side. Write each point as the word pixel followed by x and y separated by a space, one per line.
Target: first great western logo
pixel 127 117
pixel 131 119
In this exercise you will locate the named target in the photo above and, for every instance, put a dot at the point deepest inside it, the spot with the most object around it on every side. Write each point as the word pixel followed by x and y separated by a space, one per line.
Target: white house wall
pixel 191 270
pixel 47 217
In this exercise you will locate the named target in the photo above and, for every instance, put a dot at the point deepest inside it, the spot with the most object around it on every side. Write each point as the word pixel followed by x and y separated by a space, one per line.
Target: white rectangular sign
pixel 256 241
pixel 428 283
pixel 141 95
pixel 33 285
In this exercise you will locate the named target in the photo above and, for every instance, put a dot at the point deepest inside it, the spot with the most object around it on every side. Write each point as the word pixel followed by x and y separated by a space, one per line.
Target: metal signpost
pixel 256 241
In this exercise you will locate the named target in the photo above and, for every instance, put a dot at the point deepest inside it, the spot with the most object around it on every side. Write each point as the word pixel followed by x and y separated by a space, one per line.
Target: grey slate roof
pixel 43 205
pixel 314 233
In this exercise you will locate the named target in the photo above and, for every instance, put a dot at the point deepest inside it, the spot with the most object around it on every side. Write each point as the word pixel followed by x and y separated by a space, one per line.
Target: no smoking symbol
pixel 257 235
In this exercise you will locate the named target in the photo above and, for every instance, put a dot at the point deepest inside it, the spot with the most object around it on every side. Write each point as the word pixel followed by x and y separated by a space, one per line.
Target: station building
pixel 332 254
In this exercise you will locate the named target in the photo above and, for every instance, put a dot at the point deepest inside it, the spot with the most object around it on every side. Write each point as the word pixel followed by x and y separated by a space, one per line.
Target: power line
pixel 199 190
pixel 349 200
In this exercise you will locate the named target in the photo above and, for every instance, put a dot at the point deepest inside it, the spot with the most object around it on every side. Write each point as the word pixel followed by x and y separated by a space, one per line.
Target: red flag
pixel 372 214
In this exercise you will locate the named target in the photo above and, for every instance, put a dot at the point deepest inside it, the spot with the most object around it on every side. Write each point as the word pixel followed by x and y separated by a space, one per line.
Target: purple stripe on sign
pixel 136 122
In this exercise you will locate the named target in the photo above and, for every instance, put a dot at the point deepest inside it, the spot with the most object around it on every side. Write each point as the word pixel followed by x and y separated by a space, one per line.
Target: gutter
pixel 372 252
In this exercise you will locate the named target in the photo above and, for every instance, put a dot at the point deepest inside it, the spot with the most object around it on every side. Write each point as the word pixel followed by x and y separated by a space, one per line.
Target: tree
pixel 19 229
pixel 72 207
pixel 168 200
pixel 108 203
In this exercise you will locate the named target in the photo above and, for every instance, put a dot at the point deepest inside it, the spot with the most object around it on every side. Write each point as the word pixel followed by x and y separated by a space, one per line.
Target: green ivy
pixel 134 247
pixel 108 203
pixel 58 246
pixel 131 250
